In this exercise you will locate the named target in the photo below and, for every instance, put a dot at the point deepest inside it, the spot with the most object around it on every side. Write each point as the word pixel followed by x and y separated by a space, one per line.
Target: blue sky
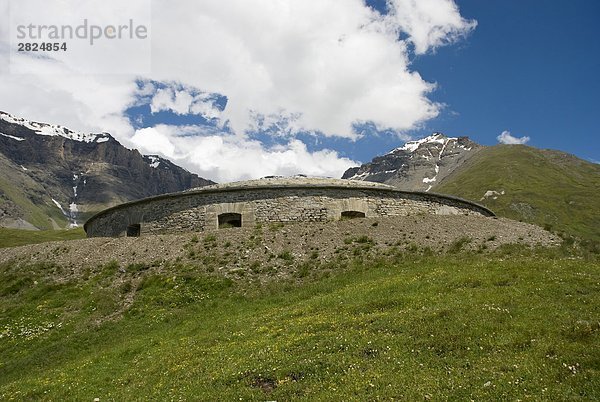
pixel 239 89
pixel 530 67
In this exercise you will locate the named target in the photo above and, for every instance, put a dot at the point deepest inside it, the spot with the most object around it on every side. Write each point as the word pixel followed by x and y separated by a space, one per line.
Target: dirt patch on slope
pixel 274 250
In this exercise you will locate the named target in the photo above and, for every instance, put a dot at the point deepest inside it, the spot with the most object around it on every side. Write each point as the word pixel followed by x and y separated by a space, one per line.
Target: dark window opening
pixel 230 220
pixel 352 214
pixel 133 230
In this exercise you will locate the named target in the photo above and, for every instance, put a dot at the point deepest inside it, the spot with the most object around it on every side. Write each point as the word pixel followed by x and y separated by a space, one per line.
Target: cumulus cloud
pixel 332 63
pixel 430 23
pixel 507 138
pixel 84 103
pixel 296 66
pixel 229 157
pixel 184 102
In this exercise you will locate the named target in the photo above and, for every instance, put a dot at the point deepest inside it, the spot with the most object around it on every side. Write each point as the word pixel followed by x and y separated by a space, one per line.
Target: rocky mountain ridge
pixel 417 165
pixel 54 177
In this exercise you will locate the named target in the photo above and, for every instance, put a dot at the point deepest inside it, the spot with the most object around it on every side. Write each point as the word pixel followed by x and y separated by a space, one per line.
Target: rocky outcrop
pixel 417 165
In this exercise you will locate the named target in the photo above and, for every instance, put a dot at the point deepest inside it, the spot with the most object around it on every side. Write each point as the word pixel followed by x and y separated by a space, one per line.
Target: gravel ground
pixel 275 250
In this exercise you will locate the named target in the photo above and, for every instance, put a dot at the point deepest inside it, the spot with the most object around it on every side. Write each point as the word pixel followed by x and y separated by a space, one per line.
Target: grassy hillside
pixel 37 214
pixel 549 188
pixel 511 325
pixel 16 237
pixel 19 192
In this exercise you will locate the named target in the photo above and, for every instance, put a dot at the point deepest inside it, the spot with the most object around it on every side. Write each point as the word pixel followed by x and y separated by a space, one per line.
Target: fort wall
pixel 264 201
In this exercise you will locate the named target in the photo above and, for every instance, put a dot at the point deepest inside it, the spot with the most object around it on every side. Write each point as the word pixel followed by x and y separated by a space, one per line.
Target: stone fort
pixel 247 203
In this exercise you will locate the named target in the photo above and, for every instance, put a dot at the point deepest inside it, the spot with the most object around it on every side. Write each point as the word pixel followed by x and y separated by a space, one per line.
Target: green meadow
pixel 515 324
pixel 17 237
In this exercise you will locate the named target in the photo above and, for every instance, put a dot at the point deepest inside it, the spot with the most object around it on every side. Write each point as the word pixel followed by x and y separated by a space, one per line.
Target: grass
pixel 459 244
pixel 516 324
pixel 19 191
pixel 17 237
pixel 551 189
pixel 286 255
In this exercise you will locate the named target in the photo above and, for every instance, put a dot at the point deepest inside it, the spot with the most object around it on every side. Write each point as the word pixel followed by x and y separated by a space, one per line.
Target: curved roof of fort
pixel 295 181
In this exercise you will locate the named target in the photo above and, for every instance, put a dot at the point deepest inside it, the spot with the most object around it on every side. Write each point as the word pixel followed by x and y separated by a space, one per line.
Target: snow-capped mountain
pixel 52 130
pixel 417 165
pixel 55 177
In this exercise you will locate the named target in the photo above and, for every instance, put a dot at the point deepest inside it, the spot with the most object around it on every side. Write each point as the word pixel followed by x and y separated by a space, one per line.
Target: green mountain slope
pixel 24 201
pixel 411 327
pixel 18 237
pixel 548 188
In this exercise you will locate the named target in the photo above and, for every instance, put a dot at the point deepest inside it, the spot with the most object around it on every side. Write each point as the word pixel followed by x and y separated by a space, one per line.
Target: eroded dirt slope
pixel 272 251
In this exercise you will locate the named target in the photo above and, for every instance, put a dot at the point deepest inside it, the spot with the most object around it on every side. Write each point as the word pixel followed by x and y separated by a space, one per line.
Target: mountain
pixel 53 177
pixel 545 187
pixel 549 188
pixel 417 165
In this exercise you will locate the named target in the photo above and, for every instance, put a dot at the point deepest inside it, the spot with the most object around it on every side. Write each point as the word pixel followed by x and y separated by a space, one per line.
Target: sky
pixel 240 89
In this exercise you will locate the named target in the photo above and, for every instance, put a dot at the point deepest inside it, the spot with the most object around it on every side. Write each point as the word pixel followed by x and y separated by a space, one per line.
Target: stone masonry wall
pixel 198 211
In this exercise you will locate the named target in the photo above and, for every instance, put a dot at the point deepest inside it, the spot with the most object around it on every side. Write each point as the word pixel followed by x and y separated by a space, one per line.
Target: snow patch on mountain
pixel 428 180
pixel 412 146
pixel 153 160
pixel 73 207
pixel 73 215
pixel 445 144
pixel 75 177
pixel 53 130
pixel 360 176
pixel 12 137
pixel 59 206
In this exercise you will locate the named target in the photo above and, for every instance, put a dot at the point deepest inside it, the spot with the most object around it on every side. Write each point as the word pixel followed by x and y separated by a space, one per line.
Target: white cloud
pixel 168 99
pixel 229 157
pixel 183 102
pixel 317 66
pixel 332 62
pixel 430 23
pixel 153 141
pixel 507 138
